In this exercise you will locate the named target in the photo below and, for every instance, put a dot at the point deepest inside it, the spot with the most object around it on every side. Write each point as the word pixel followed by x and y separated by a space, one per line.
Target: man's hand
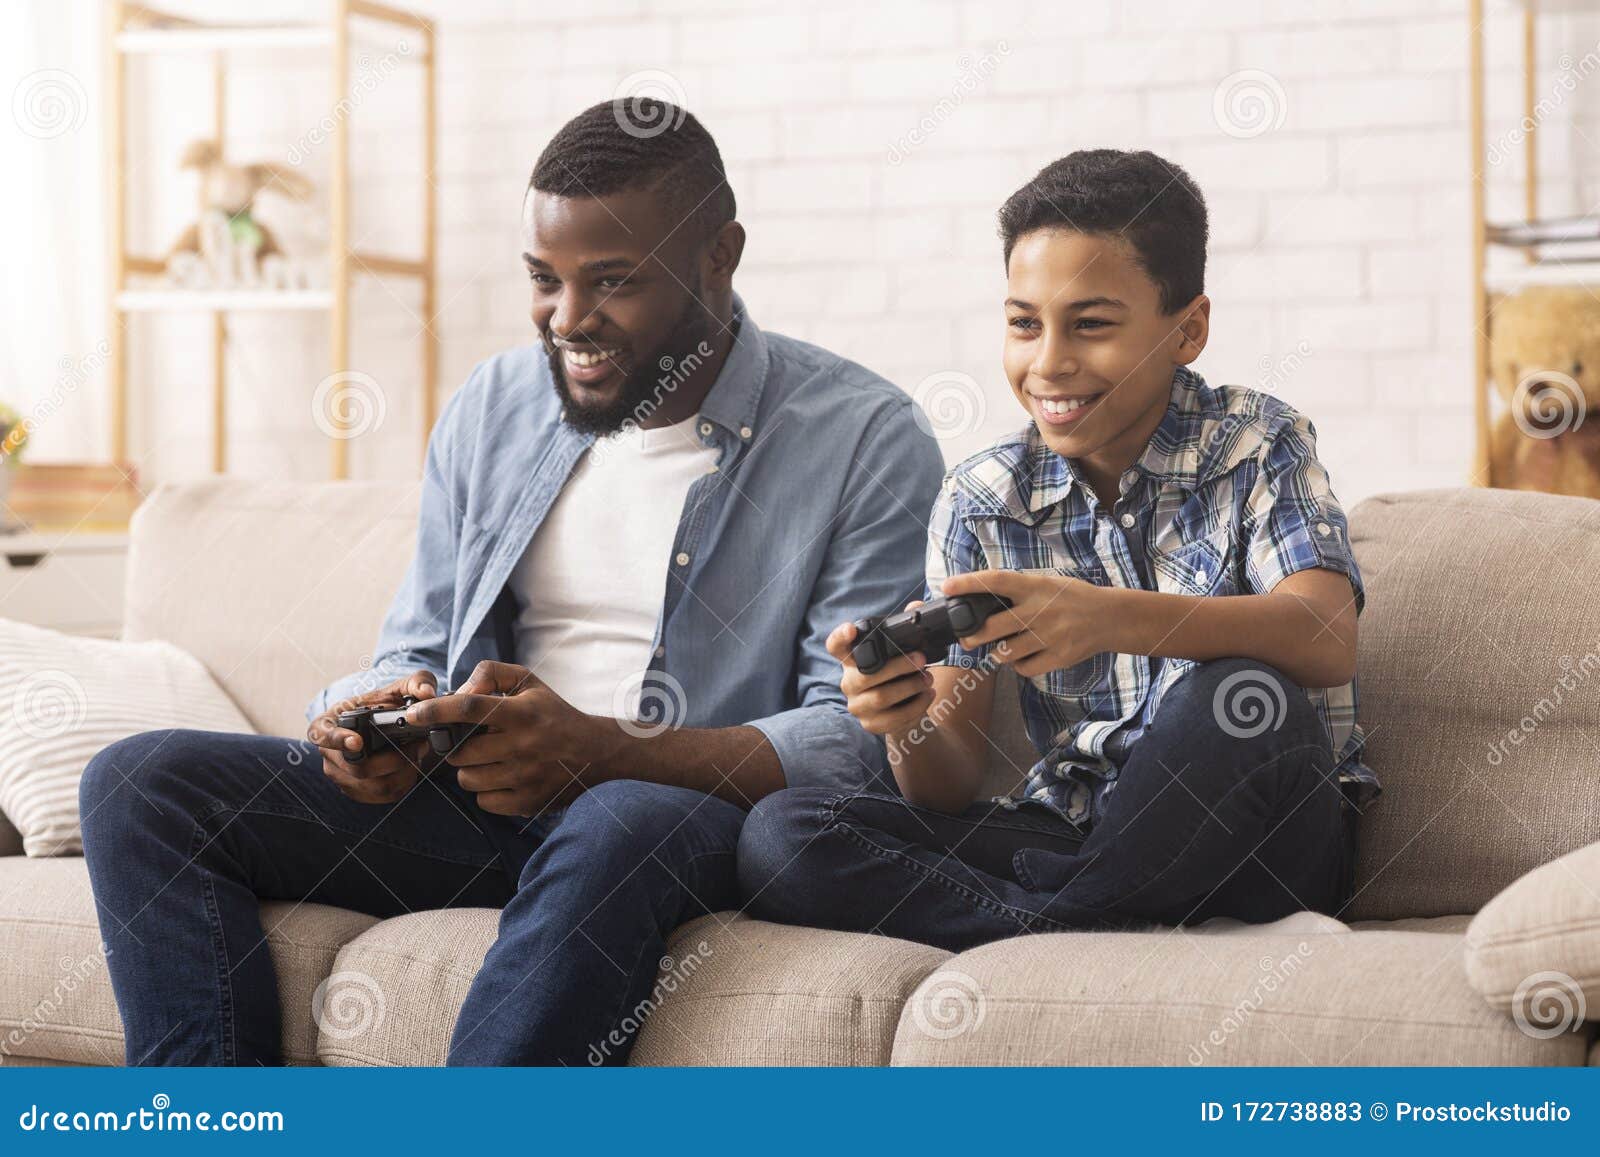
pixel 378 778
pixel 534 745
pixel 1055 621
pixel 893 698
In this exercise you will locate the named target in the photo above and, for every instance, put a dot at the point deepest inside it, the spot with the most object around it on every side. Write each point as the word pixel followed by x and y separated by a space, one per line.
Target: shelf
pixel 156 300
pixel 1543 273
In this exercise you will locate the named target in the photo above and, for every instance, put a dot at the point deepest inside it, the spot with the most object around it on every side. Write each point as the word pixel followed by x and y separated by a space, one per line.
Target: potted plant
pixel 13 437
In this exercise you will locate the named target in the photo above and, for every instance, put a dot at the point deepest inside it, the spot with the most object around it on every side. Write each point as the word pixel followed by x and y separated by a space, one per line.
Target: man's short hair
pixel 639 143
pixel 1150 203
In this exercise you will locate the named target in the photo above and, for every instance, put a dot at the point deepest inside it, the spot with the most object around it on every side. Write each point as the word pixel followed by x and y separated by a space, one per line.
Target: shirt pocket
pixel 1081 679
pixel 1201 566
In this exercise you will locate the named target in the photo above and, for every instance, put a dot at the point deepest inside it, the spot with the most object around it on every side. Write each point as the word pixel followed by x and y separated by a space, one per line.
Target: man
pixel 637 621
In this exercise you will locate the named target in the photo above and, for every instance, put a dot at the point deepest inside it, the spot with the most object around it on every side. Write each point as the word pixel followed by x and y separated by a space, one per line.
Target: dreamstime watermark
pixel 671 973
pixel 1568 75
pixel 949 404
pixel 1275 374
pixel 49 103
pixel 1274 974
pixel 674 372
pixel 1249 703
pixel 949 1003
pixel 1574 675
pixel 1248 103
pixel 1548 1004
pixel 970 77
pixel 348 404
pixel 366 80
pixel 943 707
pixel 649 703
pixel 74 973
pixel 348 1004
pixel 74 374
pixel 48 704
pixel 1547 404
pixel 648 103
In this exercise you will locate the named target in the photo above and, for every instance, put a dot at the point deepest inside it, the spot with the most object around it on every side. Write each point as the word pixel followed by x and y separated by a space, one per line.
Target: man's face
pixel 616 299
pixel 1088 351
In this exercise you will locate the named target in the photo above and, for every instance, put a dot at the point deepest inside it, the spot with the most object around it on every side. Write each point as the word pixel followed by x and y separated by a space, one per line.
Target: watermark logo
pixel 1548 1004
pixel 347 1005
pixel 1249 703
pixel 1547 404
pixel 648 703
pixel 649 103
pixel 949 1003
pixel 348 405
pixel 949 404
pixel 970 77
pixel 1248 103
pixel 49 103
pixel 48 704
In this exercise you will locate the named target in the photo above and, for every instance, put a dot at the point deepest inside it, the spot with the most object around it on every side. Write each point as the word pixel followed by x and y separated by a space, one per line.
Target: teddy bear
pixel 1544 359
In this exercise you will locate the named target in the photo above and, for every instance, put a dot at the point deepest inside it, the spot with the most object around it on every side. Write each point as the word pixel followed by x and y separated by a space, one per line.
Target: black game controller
pixel 931 628
pixel 386 729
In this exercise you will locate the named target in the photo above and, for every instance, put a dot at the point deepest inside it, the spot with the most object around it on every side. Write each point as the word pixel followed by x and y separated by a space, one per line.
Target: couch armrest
pixel 1534 950
pixel 10 839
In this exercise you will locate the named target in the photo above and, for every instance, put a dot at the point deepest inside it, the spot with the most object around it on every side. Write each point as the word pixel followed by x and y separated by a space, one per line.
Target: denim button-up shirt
pixel 816 514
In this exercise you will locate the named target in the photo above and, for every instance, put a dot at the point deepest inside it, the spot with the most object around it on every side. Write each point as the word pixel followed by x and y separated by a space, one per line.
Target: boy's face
pixel 1089 353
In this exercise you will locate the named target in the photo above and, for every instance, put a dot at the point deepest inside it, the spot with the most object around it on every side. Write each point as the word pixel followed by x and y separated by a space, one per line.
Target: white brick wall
pixel 1340 236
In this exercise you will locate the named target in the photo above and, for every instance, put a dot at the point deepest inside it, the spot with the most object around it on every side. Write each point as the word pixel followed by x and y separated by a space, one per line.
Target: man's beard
pixel 647 386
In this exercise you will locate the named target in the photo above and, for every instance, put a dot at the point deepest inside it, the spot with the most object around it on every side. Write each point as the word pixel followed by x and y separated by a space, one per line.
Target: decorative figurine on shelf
pixel 13 437
pixel 1545 361
pixel 228 247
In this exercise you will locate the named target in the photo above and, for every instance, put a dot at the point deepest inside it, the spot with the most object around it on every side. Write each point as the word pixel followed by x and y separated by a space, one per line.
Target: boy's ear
pixel 1193 330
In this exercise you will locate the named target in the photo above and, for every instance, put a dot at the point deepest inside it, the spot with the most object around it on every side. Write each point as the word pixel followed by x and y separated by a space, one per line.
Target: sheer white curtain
pixel 52 225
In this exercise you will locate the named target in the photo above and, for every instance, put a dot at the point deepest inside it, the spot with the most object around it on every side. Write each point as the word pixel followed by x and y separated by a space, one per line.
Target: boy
pixel 1183 626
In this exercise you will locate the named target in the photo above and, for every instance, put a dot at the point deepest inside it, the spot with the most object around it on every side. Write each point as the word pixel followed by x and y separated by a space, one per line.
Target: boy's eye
pixel 1092 322
pixel 1022 323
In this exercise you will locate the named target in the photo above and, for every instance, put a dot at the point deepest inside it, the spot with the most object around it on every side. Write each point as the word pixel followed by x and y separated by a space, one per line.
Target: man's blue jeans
pixel 186 831
pixel 1203 822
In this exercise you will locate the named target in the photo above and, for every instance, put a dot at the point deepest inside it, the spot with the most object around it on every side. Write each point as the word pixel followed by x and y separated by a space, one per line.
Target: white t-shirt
pixel 591 584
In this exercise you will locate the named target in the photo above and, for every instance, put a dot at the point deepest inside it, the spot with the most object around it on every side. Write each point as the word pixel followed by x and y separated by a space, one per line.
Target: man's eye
pixel 613 282
pixel 542 279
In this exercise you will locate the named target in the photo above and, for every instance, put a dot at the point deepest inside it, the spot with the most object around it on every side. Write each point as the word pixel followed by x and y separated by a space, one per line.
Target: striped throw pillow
pixel 65 697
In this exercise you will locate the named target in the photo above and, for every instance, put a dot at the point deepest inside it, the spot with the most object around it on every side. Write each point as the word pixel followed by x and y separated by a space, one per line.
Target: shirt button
pixel 660 651
pixel 683 559
pixel 745 432
pixel 1128 520
pixel 1324 528
pixel 712 469
pixel 705 428
pixel 1200 577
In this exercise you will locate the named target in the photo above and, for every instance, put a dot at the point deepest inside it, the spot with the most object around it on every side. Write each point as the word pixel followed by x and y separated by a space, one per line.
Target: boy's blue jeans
pixel 1202 823
pixel 185 831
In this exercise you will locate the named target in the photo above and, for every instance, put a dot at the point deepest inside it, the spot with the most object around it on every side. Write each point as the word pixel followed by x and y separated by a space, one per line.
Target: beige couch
pixel 1474 598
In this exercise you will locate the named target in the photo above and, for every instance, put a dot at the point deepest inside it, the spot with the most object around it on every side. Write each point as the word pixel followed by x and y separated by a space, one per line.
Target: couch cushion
pixel 278 588
pixel 1480 693
pixel 56 1001
pixel 771 994
pixel 1253 995
pixel 731 991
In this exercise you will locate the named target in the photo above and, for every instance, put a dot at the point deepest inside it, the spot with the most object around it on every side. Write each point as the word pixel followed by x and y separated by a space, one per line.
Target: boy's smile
pixel 1089 352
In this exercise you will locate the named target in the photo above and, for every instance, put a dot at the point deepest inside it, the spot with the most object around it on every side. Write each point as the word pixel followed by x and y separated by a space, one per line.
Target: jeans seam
pixel 225 1023
pixel 927 871
pixel 1040 826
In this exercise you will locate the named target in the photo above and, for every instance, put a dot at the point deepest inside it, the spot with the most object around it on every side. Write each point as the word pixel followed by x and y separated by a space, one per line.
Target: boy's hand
pixel 1055 621
pixel 387 775
pixel 893 698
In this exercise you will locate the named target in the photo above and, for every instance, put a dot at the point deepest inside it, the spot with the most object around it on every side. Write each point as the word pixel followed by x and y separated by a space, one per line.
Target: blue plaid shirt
pixel 1228 498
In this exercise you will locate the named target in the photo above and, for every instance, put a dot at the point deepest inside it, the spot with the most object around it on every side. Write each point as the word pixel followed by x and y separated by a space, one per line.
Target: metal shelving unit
pixel 138 30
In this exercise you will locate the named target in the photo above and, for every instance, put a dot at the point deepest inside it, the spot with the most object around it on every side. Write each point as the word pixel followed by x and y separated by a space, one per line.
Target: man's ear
pixel 1193 330
pixel 722 256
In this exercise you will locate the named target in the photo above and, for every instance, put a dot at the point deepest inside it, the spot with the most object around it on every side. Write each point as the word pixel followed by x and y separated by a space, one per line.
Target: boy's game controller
pixel 931 628
pixel 386 729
